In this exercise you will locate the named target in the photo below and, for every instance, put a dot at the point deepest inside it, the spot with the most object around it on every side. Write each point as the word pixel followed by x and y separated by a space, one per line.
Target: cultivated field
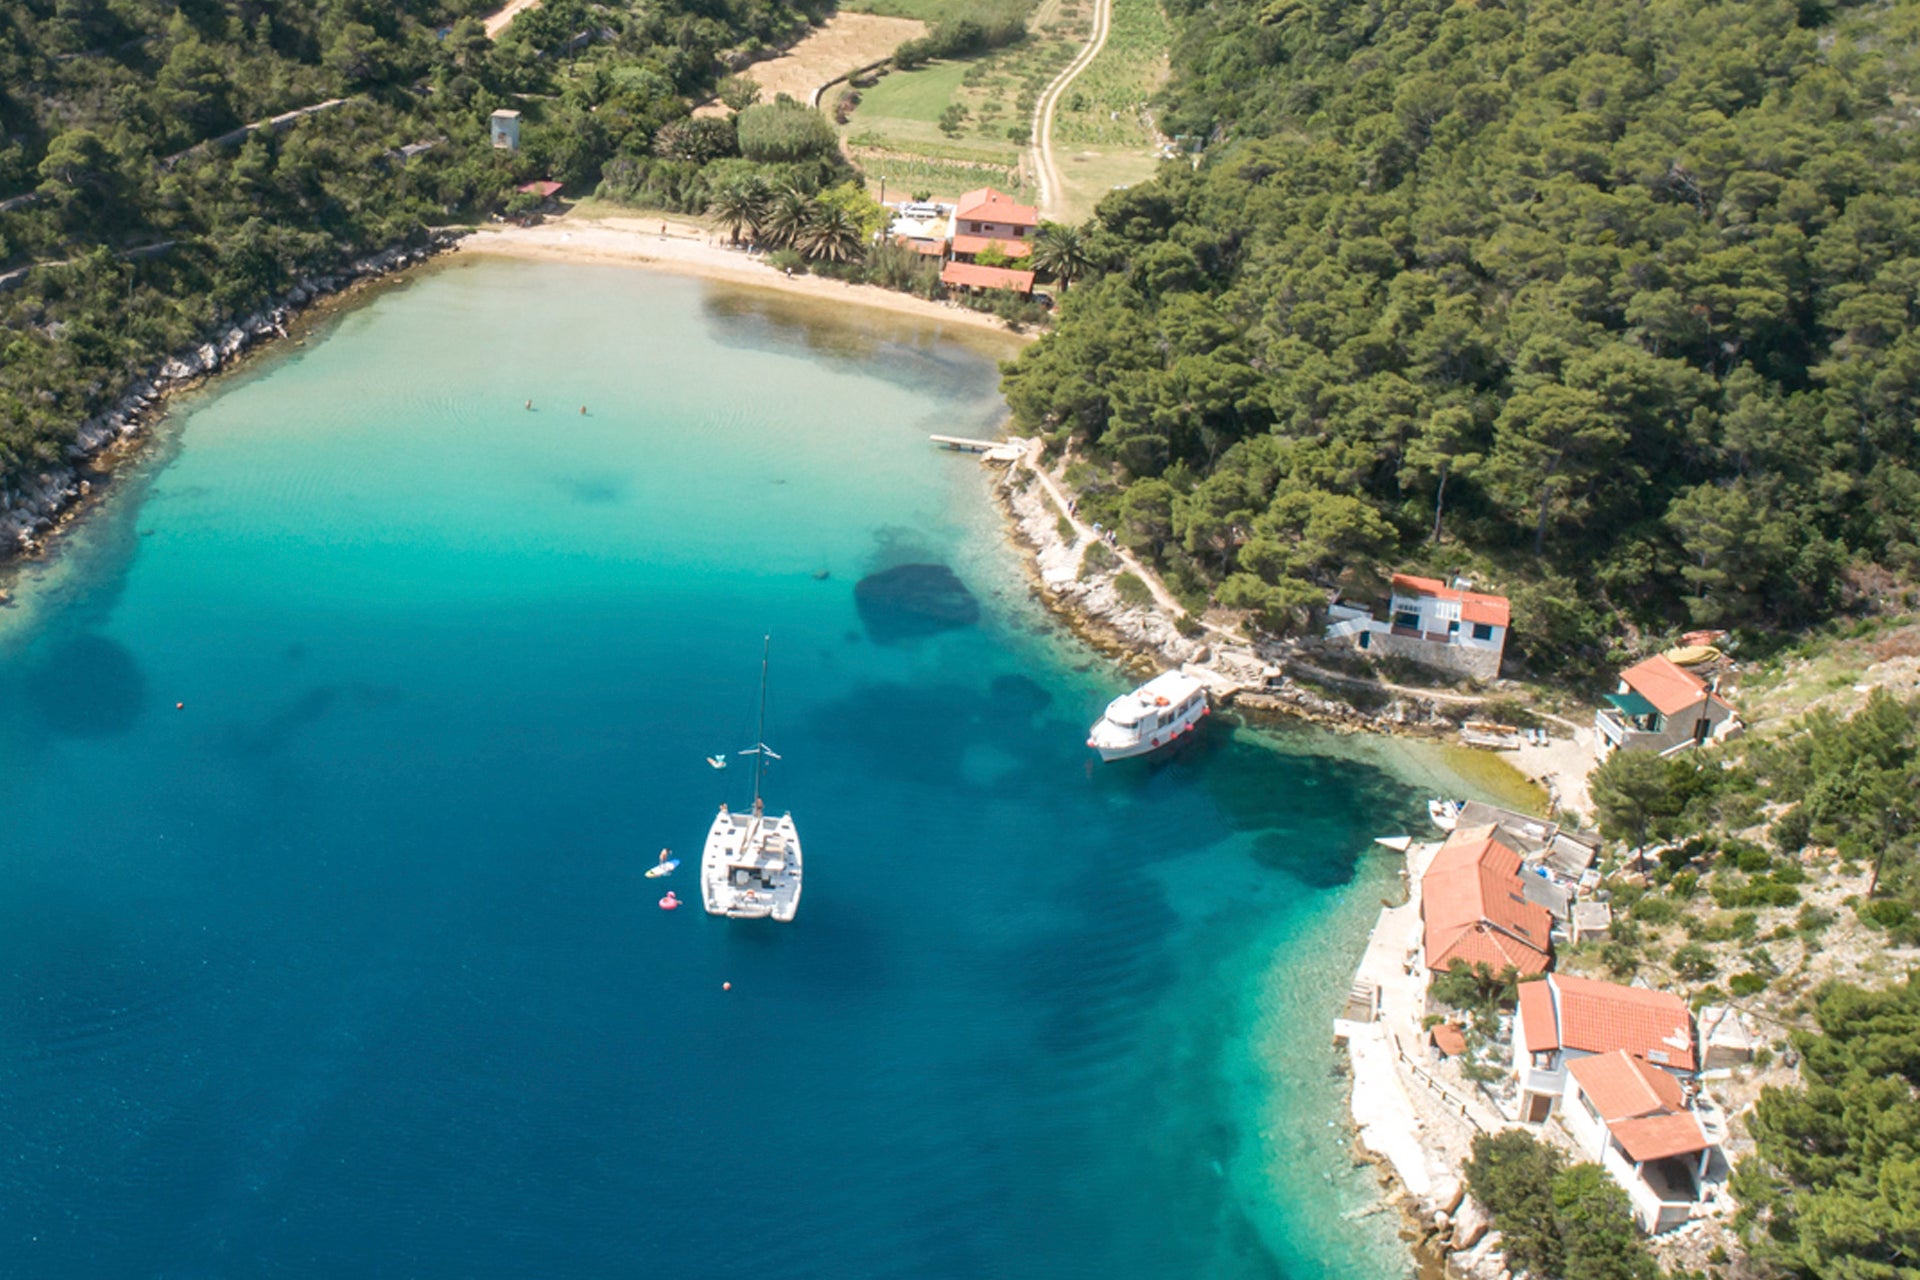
pixel 1102 135
pixel 841 44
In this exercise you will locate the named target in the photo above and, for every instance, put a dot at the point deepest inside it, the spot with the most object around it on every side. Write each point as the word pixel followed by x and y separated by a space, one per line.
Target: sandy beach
pixel 691 249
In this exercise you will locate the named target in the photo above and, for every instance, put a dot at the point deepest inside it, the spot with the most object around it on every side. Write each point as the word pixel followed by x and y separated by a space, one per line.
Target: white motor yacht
pixel 1156 714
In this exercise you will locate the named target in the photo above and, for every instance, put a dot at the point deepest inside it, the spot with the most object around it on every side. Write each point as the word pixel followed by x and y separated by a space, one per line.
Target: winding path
pixel 497 22
pixel 1046 170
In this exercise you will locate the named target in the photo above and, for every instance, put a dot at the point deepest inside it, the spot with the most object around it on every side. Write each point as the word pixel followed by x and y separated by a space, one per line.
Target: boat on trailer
pixel 1157 714
pixel 750 866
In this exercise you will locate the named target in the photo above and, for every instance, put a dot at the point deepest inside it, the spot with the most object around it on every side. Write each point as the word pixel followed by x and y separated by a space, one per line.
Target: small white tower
pixel 506 130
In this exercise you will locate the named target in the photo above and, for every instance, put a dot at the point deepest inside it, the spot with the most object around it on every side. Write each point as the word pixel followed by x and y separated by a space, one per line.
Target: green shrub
pixel 1747 984
pixel 1132 590
pixel 1694 962
pixel 1098 558
pixel 1656 911
pixel 783 132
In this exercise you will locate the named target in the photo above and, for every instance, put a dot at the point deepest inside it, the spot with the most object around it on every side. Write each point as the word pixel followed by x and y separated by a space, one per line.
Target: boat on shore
pixel 1444 814
pixel 750 867
pixel 1155 715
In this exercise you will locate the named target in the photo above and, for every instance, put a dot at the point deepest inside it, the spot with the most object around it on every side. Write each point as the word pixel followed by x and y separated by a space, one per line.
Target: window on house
pixel 1482 631
pixel 1404 619
pixel 1587 1102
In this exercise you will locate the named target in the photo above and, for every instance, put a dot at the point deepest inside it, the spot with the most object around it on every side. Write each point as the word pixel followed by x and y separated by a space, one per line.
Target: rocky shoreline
pixel 34 512
pixel 1445 1230
pixel 1253 677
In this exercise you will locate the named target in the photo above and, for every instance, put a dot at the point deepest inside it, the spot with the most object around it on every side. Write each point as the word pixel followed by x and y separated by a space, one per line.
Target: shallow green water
pixel 347 966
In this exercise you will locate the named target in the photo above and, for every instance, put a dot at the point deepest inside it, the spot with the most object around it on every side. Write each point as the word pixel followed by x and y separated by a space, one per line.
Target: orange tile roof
pixel 1657 1137
pixel 1449 1039
pixel 989 205
pixel 1475 606
pixel 1536 1015
pixel 1599 1017
pixel 980 244
pixel 973 275
pixel 929 248
pixel 1473 911
pixel 1641 1105
pixel 1668 686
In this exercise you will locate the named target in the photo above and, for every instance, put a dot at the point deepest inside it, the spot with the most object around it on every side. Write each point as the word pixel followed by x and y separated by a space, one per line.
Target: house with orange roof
pixel 1637 1122
pixel 1661 706
pixel 987 214
pixel 1473 908
pixel 1562 1019
pixel 1441 624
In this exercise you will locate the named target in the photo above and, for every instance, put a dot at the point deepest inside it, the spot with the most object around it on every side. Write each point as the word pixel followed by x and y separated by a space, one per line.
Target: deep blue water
pixel 347 967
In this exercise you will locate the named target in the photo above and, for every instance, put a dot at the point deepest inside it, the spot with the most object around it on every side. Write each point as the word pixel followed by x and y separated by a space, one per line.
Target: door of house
pixel 1538 1105
pixel 1701 728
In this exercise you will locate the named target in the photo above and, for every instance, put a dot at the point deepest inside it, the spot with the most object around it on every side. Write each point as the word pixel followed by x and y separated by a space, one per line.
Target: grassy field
pixel 933 12
pixel 895 131
pixel 1102 136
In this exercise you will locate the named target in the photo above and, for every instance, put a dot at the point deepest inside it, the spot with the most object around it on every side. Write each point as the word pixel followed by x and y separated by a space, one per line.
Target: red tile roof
pixel 980 244
pixel 1641 1105
pixel 1670 687
pixel 974 276
pixel 1473 911
pixel 1600 1017
pixel 929 248
pixel 1449 1039
pixel 542 189
pixel 989 205
pixel 1536 1015
pixel 1475 606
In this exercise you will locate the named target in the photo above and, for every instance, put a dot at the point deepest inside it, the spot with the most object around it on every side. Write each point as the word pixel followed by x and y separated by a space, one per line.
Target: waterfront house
pixel 1444 625
pixel 1562 1019
pixel 973 277
pixel 543 191
pixel 1661 706
pixel 1634 1120
pixel 1474 909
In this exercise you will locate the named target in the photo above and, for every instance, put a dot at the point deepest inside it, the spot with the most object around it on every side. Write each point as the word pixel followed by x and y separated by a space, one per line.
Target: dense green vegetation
pixel 1556 1221
pixel 1850 785
pixel 132 230
pixel 1609 304
pixel 1831 1190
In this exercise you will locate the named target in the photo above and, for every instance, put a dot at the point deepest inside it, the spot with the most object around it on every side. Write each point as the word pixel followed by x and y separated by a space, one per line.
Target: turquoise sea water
pixel 347 967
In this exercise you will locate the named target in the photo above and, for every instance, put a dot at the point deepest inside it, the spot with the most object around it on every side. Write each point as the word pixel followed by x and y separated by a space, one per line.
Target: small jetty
pixel 995 450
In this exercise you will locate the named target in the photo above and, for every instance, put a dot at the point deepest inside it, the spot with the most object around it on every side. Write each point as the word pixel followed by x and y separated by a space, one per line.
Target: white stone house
pixel 1633 1120
pixel 1561 1019
pixel 504 129
pixel 1661 706
pixel 1429 621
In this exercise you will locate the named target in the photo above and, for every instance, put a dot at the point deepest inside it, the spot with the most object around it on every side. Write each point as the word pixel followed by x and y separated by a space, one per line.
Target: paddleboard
pixel 661 869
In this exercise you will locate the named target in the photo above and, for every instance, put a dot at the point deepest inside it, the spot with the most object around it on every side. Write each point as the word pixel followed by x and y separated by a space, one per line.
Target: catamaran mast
pixel 760 739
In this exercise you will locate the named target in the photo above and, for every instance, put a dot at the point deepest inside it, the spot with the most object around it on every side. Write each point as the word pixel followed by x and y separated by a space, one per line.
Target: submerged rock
pixel 912 601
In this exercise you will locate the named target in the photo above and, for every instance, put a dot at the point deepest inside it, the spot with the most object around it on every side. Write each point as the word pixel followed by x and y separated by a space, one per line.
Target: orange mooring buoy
pixel 726 986
pixel 179 706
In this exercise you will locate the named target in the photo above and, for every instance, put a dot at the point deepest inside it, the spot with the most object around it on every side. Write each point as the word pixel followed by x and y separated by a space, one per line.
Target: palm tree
pixel 740 206
pixel 1062 253
pixel 787 218
pixel 831 233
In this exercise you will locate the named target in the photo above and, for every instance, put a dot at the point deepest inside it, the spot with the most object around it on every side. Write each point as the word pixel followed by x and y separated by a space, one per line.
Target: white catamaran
pixel 750 867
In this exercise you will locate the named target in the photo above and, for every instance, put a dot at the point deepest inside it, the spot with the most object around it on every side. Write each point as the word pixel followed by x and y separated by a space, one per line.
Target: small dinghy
pixel 664 867
pixel 1445 814
pixel 669 903
pixel 718 762
pixel 1399 844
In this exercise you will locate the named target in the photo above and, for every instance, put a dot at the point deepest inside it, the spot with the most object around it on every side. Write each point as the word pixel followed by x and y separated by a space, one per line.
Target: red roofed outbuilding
pixel 1473 911
pixel 1633 1119
pixel 968 275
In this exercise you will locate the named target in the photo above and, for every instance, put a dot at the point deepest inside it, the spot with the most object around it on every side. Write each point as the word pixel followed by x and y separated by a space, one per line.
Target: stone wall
pixel 1481 664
